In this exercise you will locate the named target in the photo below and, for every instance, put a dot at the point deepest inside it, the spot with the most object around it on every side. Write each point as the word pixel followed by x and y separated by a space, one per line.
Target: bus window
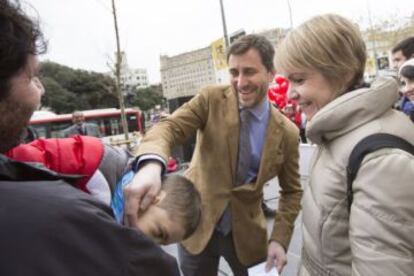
pixel 56 129
pixel 108 120
pixel 132 123
pixel 115 126
pixel 41 130
pixel 102 128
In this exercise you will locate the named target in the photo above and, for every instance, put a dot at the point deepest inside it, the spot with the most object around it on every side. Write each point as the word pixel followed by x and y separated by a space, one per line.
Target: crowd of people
pixel 76 206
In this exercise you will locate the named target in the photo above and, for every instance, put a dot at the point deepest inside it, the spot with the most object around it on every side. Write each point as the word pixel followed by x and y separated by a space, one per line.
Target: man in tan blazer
pixel 233 224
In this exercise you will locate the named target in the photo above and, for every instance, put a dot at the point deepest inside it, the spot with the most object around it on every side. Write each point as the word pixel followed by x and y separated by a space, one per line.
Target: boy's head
pixel 175 214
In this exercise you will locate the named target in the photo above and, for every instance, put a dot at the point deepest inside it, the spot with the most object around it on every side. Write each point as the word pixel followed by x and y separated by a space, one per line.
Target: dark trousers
pixel 206 263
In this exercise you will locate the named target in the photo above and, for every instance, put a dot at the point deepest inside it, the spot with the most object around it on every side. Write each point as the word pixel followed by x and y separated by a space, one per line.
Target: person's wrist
pixel 151 165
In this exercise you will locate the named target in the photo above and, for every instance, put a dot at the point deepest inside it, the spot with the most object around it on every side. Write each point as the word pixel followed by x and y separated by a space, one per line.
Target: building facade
pixel 185 74
pixel 132 78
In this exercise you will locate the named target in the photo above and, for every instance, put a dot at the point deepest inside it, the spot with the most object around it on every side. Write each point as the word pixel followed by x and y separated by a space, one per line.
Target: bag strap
pixel 367 145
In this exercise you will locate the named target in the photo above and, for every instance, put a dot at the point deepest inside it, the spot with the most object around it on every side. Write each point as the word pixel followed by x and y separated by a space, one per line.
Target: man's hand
pixel 276 256
pixel 142 191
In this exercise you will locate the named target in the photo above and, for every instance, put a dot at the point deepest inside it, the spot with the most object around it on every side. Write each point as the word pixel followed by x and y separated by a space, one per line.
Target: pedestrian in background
pixel 80 127
pixel 402 52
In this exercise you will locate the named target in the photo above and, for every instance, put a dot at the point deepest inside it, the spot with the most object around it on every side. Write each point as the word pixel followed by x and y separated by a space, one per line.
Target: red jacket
pixel 76 155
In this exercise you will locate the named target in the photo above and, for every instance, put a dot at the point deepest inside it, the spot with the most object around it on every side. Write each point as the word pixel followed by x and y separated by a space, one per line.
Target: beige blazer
pixel 213 116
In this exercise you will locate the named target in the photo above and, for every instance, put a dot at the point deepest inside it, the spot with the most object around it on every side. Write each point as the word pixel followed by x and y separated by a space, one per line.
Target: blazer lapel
pixel 271 148
pixel 231 116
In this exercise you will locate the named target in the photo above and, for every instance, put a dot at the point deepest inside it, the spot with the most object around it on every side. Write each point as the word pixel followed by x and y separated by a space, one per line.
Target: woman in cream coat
pixel 324 60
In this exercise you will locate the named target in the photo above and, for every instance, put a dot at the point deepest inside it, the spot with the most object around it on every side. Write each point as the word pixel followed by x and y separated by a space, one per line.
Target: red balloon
pixel 280 79
pixel 271 96
pixel 284 87
pixel 277 92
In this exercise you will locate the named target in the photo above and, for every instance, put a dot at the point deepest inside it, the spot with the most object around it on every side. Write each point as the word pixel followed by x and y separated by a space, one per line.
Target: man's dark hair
pixel 20 37
pixel 406 46
pixel 253 41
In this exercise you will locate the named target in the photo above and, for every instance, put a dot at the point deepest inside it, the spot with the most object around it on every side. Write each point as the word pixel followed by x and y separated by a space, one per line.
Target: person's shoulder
pixel 287 125
pixel 69 129
pixel 55 200
pixel 216 90
pixel 60 215
pixel 91 125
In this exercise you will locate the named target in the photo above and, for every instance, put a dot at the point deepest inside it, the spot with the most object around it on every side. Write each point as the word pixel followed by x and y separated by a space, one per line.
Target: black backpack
pixel 367 145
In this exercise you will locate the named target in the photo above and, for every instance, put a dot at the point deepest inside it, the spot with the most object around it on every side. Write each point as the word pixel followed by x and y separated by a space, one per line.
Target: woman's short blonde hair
pixel 329 43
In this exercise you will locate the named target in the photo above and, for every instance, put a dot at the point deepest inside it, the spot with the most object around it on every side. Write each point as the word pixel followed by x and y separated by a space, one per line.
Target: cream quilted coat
pixel 377 236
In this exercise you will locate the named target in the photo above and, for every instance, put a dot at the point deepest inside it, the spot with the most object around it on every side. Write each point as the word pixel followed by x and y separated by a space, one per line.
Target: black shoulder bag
pixel 367 145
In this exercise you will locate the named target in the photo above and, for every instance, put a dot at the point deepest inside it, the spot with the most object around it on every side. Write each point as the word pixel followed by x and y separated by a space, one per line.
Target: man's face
pixel 78 118
pixel 157 224
pixel 23 99
pixel 249 77
pixel 398 59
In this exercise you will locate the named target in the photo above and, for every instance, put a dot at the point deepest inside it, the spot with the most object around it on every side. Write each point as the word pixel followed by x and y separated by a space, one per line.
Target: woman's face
pixel 309 88
pixel 407 86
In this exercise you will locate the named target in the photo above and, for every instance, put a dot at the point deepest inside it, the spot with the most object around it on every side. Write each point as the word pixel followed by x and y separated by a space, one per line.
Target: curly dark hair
pixel 20 36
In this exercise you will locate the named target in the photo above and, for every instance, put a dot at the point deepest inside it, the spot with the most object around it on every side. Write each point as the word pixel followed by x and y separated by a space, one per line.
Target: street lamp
pixel 223 19
pixel 118 75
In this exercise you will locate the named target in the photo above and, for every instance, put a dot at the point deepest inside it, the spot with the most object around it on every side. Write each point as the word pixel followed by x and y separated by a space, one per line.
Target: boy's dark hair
pixel 408 72
pixel 257 42
pixel 406 46
pixel 182 201
pixel 20 37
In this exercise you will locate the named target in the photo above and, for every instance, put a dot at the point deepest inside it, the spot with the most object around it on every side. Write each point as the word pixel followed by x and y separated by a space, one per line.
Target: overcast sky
pixel 81 32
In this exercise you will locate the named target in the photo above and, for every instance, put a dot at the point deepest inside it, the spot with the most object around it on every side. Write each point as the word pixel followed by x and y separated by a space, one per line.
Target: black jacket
pixel 50 228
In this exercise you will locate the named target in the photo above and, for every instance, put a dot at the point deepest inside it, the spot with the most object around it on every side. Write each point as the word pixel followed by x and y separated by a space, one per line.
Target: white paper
pixel 259 270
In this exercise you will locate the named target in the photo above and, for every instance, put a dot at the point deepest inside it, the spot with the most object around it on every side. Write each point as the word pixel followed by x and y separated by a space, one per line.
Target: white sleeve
pixel 99 187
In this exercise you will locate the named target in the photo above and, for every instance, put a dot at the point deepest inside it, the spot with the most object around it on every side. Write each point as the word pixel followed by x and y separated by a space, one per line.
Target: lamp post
pixel 118 75
pixel 223 19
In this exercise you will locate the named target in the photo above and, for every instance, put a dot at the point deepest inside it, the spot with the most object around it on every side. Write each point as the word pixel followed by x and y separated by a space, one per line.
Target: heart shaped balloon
pixel 277 92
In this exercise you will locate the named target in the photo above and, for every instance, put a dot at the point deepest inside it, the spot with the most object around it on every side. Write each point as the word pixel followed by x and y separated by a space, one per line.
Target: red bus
pixel 50 125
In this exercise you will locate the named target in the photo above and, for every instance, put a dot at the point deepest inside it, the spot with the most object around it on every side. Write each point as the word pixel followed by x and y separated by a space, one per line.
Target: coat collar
pixel 352 110
pixel 272 146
